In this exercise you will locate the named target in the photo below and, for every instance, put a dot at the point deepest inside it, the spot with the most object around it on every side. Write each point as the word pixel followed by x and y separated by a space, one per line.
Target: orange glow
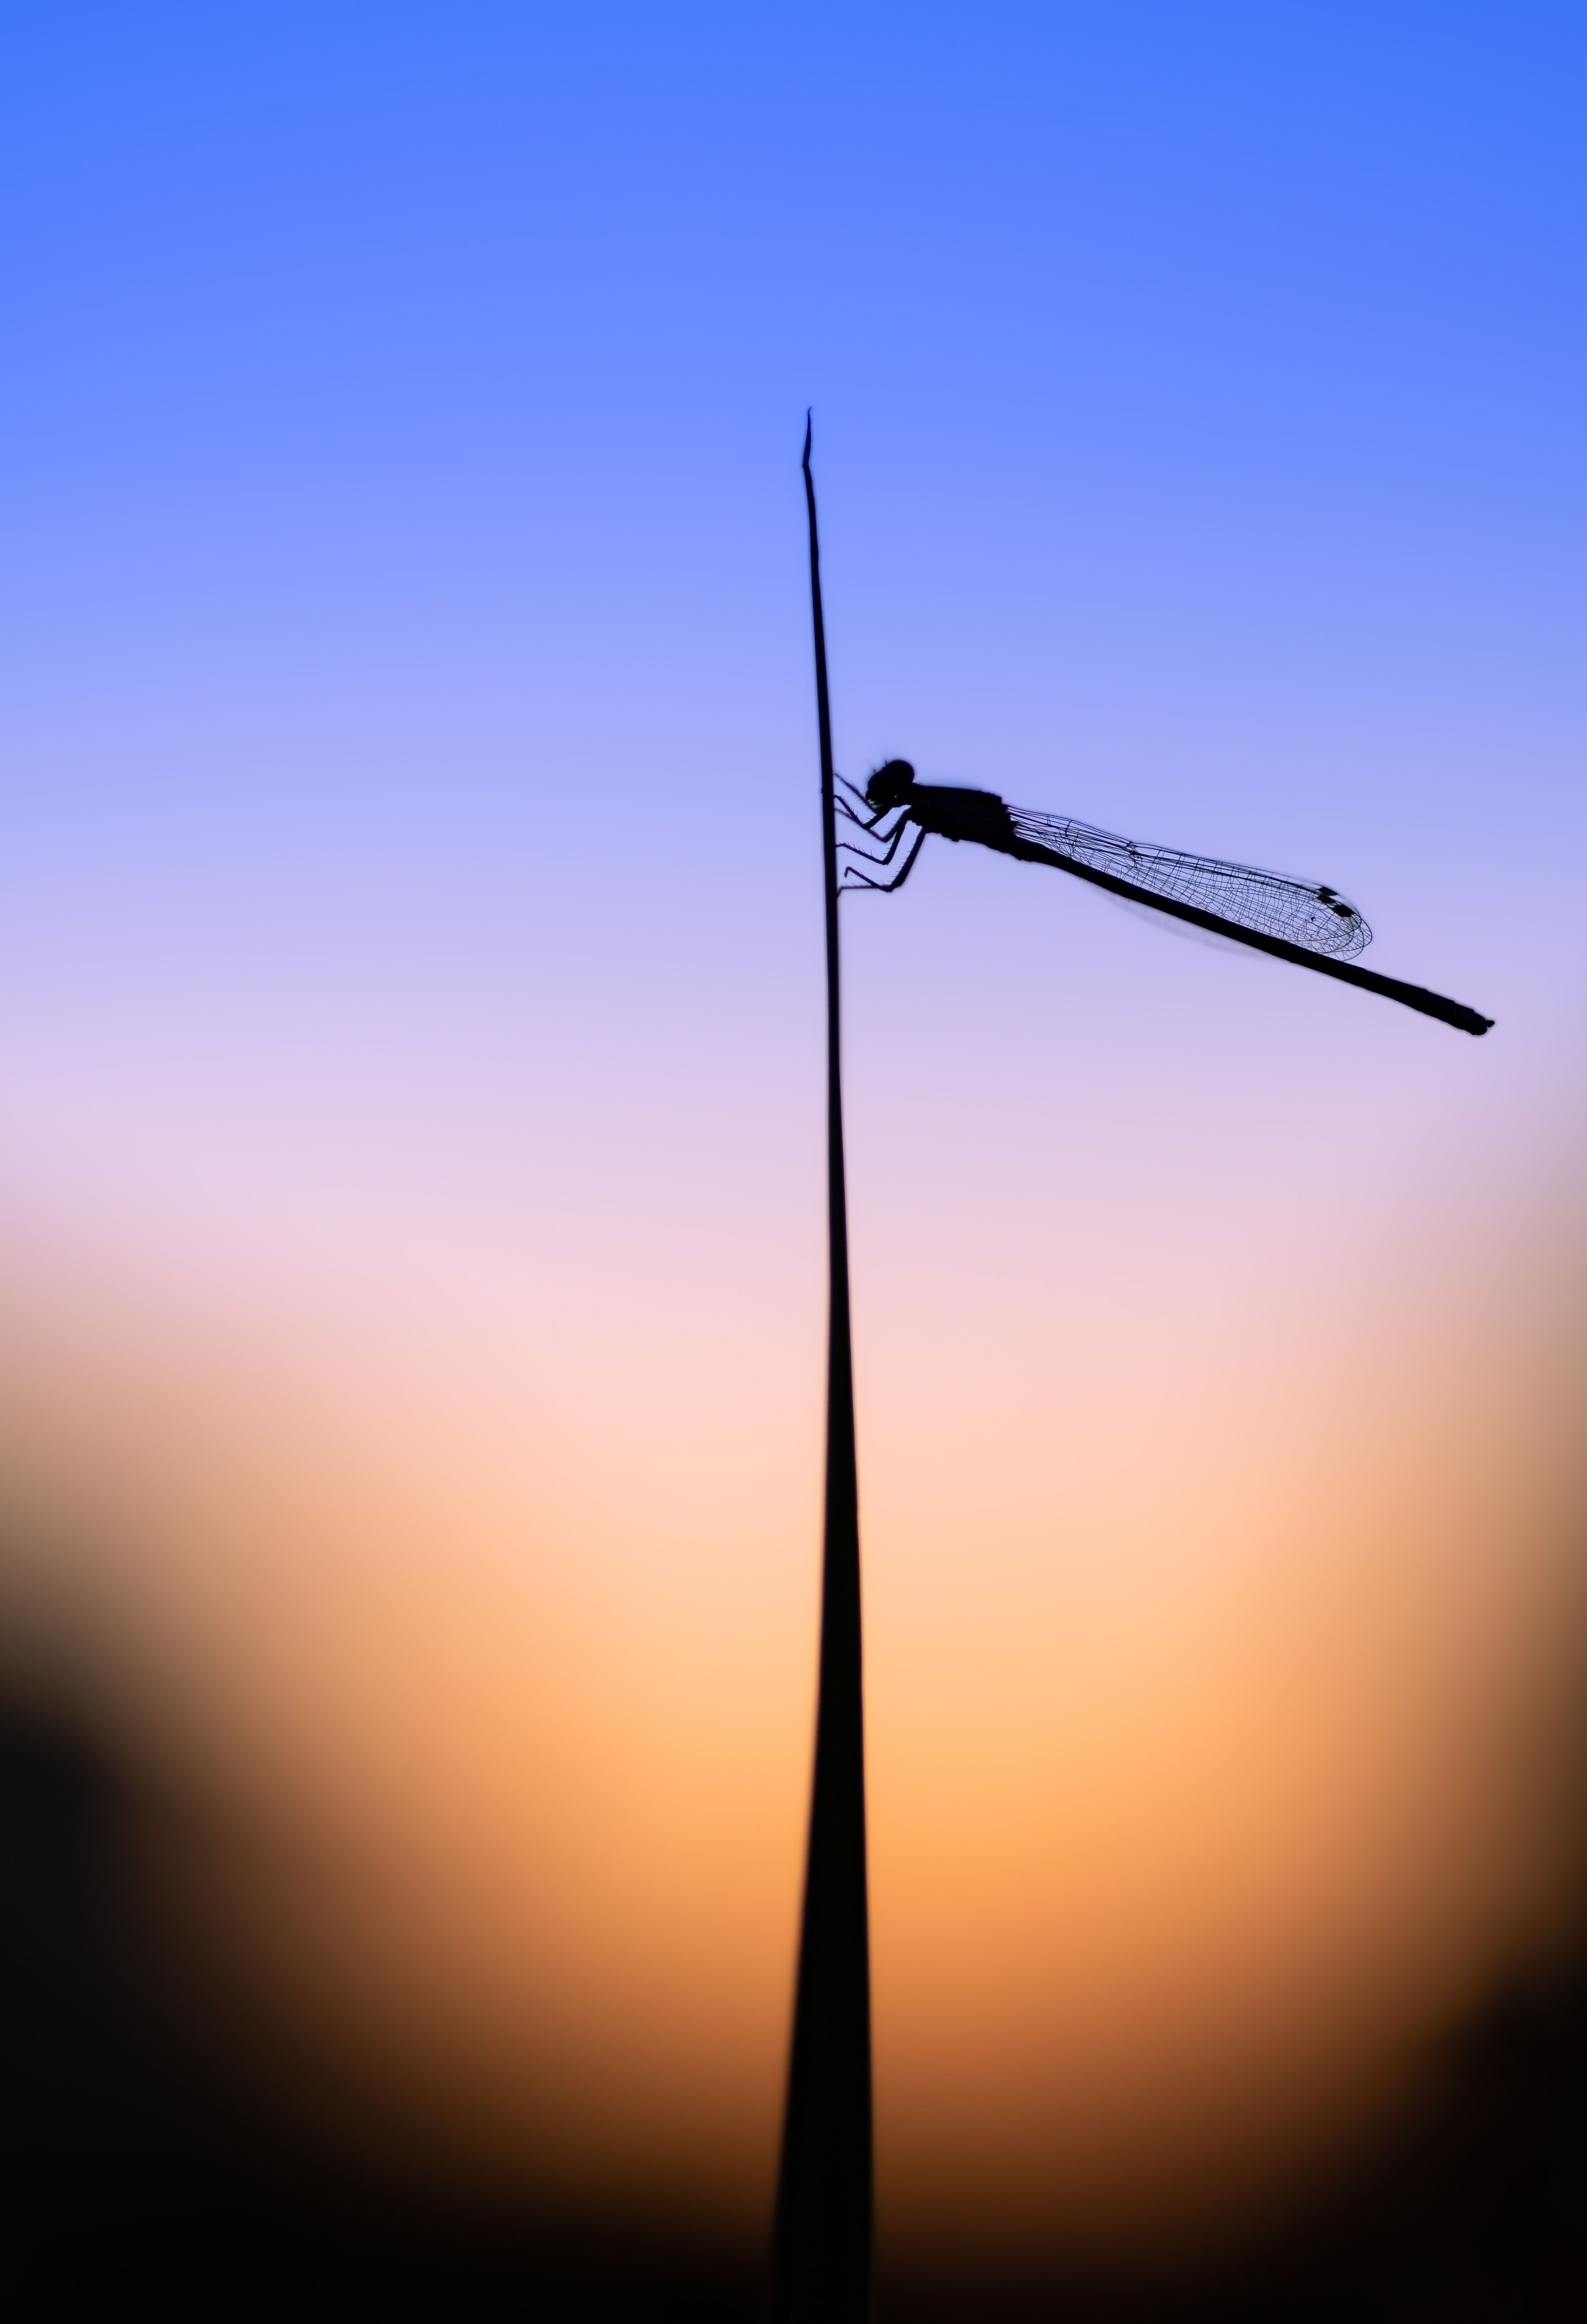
pixel 1215 1719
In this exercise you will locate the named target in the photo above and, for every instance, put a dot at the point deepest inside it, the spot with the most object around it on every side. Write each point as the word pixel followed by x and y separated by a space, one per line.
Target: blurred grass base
pixel 148 2165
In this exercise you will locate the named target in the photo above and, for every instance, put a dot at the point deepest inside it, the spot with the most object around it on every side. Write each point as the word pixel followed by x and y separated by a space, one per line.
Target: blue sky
pixel 379 367
pixel 404 608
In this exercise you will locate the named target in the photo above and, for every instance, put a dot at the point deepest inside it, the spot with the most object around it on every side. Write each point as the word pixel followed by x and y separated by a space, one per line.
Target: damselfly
pixel 1297 920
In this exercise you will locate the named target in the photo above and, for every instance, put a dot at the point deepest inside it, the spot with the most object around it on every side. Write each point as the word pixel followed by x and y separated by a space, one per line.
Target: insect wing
pixel 1301 912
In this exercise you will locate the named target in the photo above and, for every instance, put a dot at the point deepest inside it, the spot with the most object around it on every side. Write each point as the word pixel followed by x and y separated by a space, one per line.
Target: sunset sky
pixel 411 1228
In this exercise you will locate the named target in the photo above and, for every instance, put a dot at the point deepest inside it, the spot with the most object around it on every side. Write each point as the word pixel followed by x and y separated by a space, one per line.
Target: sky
pixel 412 1133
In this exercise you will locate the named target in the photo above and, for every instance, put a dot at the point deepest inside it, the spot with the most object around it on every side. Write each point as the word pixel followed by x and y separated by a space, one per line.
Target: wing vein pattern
pixel 1298 911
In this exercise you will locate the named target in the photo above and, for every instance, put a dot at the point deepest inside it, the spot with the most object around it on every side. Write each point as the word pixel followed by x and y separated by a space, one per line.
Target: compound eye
pixel 891 784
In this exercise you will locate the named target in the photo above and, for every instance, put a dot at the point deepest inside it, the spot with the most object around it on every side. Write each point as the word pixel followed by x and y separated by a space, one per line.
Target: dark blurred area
pixel 151 2162
pixel 149 2165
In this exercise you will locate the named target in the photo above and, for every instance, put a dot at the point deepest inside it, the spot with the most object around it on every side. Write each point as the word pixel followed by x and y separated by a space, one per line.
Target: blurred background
pixel 412 1204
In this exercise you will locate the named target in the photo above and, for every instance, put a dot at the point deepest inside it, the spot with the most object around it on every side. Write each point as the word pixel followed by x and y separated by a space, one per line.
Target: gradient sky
pixel 410 959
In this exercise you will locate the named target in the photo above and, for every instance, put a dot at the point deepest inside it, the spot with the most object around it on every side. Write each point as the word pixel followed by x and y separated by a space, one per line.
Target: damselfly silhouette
pixel 1297 920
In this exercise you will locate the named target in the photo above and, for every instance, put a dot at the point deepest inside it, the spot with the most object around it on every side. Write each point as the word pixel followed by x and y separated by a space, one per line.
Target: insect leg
pixel 866 823
pixel 854 878
pixel 890 850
